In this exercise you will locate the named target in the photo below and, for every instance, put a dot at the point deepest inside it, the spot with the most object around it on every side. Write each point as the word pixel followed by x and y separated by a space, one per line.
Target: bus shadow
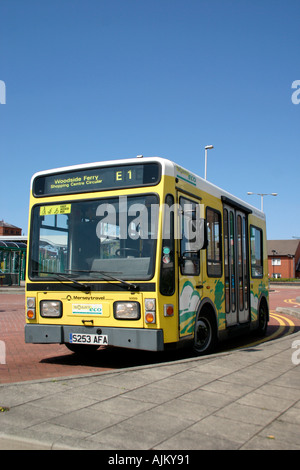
pixel 120 358
pixel 252 340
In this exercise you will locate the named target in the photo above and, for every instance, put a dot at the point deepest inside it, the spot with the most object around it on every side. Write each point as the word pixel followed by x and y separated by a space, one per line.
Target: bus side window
pixel 214 248
pixel 167 271
pixel 256 252
pixel 189 257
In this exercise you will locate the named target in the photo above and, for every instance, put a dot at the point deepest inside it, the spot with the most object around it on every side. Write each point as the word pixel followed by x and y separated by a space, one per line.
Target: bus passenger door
pixel 189 263
pixel 236 264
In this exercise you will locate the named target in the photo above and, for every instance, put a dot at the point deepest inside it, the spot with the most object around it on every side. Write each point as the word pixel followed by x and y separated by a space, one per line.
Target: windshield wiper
pixel 66 277
pixel 129 285
pixel 63 277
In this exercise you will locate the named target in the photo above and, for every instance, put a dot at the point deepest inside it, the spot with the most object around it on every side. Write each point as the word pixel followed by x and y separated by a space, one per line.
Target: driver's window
pixel 190 264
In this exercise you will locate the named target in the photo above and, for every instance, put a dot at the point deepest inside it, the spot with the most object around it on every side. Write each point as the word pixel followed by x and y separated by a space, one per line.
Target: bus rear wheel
pixel 262 318
pixel 205 339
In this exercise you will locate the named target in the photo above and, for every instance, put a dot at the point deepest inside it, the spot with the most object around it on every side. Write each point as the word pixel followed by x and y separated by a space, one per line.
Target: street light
pixel 262 197
pixel 208 147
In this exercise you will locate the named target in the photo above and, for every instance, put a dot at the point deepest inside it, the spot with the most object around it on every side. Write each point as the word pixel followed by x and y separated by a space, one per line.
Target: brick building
pixel 8 229
pixel 284 258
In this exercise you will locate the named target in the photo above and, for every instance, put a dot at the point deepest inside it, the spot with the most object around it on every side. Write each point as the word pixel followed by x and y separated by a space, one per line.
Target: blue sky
pixel 94 80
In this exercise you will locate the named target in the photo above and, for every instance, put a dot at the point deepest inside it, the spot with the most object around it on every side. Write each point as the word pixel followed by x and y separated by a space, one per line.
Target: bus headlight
pixel 51 308
pixel 127 310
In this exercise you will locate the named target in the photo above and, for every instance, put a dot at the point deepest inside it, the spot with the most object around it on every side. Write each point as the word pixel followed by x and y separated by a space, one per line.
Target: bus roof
pixel 169 168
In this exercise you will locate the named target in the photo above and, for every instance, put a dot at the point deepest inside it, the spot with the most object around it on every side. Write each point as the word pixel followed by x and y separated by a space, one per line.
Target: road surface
pixel 25 362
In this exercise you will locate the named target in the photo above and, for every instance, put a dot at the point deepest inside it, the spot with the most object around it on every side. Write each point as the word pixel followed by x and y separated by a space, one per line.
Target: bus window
pixel 256 251
pixel 94 237
pixel 240 261
pixel 232 260
pixel 226 262
pixel 245 262
pixel 190 263
pixel 167 273
pixel 214 254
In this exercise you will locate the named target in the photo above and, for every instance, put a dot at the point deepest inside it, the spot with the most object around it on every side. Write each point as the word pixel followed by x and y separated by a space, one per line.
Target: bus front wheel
pixel 205 338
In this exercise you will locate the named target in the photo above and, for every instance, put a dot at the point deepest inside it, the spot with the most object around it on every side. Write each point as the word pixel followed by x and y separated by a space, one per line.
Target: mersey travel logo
pixel 2 92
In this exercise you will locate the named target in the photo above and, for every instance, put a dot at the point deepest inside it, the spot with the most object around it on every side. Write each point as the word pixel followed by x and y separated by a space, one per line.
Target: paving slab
pixel 240 399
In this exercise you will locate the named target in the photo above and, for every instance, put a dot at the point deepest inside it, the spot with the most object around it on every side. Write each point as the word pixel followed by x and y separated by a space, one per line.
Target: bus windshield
pixel 113 238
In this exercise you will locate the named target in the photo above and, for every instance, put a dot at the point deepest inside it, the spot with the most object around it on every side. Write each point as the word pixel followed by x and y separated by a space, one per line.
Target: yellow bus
pixel 141 253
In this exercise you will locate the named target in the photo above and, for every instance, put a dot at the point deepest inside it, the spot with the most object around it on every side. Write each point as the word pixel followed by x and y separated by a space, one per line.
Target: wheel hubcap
pixel 262 318
pixel 202 334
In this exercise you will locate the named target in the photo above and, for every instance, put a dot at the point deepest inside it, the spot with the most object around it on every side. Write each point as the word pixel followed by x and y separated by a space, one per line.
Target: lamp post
pixel 208 147
pixel 262 197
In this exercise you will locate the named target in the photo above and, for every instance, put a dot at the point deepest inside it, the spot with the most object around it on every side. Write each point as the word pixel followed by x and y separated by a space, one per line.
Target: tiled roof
pixel 282 247
pixel 5 224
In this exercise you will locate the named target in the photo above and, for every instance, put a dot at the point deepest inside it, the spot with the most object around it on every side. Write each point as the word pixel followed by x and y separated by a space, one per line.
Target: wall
pixel 286 269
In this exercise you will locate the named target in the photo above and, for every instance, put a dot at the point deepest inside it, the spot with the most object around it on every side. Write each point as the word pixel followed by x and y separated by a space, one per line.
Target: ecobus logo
pixel 296 94
pixel 2 92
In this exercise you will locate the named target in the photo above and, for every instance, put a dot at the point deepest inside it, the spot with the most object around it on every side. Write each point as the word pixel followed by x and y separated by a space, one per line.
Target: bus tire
pixel 263 317
pixel 82 349
pixel 205 337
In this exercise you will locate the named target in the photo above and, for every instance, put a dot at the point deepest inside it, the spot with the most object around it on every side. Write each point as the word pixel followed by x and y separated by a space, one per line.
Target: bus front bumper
pixel 133 338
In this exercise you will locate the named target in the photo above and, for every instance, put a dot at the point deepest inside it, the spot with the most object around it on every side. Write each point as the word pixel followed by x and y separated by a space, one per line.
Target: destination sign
pixel 97 179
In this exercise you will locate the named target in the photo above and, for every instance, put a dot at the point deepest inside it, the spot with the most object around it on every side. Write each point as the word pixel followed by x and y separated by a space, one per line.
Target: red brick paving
pixel 34 361
pixel 278 297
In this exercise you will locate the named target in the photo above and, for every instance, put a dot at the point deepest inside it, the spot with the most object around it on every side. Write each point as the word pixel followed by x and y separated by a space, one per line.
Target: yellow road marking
pixel 282 318
pixel 291 301
pixel 283 321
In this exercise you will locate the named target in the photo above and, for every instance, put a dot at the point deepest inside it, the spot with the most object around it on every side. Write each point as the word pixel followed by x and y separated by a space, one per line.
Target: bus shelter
pixel 12 262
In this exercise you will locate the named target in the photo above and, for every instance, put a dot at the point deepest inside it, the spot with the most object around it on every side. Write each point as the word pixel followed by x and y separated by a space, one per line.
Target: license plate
pixel 88 339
